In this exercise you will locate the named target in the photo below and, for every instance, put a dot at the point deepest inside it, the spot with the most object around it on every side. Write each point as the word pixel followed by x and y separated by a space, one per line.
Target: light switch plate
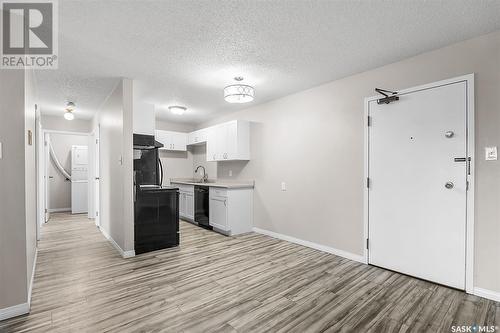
pixel 490 153
pixel 230 173
pixel 283 186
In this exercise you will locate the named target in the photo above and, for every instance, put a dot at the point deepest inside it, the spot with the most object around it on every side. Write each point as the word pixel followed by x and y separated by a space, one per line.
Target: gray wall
pixel 175 127
pixel 30 99
pixel 116 165
pixel 59 187
pixel 313 140
pixel 58 123
pixel 13 263
pixel 18 186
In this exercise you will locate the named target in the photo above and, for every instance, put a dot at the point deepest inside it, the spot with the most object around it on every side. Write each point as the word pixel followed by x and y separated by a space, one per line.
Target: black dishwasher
pixel 156 218
pixel 201 206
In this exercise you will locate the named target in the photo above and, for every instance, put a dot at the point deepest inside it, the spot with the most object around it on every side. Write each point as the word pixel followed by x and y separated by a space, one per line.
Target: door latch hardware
pixel 464 159
pixel 449 134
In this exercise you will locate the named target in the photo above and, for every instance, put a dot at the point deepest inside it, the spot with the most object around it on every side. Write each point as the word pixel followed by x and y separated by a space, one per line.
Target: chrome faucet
pixel 205 176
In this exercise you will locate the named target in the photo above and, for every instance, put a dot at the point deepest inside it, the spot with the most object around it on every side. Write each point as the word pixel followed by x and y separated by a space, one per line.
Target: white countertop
pixel 225 183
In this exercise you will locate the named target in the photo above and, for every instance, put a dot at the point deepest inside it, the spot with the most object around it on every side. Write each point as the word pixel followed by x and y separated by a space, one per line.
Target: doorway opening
pixel 67 164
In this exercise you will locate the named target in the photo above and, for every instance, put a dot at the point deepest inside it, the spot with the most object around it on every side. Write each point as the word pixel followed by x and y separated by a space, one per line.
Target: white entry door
pixel 417 192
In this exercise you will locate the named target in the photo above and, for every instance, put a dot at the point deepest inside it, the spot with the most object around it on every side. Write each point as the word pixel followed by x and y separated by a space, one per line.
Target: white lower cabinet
pixel 231 210
pixel 186 202
pixel 218 213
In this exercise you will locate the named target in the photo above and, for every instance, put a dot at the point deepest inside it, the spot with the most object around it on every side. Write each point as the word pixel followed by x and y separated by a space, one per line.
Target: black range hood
pixel 143 141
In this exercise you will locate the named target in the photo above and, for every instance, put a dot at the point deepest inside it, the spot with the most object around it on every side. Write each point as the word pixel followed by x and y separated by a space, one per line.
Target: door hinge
pixel 46 210
pixel 369 121
pixel 96 213
pixel 368 182
pixel 367 243
pixel 467 185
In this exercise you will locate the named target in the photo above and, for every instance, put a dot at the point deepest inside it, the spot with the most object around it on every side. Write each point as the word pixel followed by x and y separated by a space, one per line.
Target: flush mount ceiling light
pixel 68 113
pixel 239 93
pixel 175 109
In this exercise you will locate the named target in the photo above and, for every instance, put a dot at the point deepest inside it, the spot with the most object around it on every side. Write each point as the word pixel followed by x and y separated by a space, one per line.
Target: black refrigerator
pixel 156 207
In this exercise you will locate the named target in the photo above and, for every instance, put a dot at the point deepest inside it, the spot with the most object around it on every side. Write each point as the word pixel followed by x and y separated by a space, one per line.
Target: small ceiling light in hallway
pixel 68 113
pixel 179 110
pixel 239 93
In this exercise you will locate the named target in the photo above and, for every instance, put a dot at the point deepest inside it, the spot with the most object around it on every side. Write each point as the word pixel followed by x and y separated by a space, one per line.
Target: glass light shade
pixel 68 115
pixel 179 110
pixel 239 93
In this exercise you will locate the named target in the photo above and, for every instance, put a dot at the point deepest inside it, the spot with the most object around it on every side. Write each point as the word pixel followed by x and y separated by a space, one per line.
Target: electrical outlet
pixel 283 186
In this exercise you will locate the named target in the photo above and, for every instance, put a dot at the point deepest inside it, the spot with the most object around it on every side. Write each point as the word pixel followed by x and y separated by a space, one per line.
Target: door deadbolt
pixel 449 134
pixel 449 185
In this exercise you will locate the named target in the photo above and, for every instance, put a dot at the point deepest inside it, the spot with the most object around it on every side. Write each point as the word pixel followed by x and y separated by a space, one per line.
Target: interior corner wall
pixel 110 119
pixel 116 165
pixel 199 153
pixel 30 144
pixel 314 141
pixel 128 164
pixel 13 246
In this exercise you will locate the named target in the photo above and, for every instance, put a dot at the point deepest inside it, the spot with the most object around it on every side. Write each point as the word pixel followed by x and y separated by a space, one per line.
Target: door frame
pixel 470 141
pixel 43 183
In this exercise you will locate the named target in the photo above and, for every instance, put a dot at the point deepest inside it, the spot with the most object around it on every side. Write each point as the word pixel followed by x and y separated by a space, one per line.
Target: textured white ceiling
pixel 185 52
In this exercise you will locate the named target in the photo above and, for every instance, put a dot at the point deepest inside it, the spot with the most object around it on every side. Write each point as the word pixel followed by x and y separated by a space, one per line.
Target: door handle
pixel 449 185
pixel 97 178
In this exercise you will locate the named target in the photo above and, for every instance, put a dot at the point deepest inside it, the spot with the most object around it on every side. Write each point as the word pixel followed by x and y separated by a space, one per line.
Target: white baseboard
pixel 14 311
pixel 324 248
pixel 30 288
pixel 489 294
pixel 59 210
pixel 124 254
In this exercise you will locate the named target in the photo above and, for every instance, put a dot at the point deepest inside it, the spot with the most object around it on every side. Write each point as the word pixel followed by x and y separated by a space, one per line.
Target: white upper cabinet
pixel 172 140
pixel 197 137
pixel 225 142
pixel 211 144
pixel 229 141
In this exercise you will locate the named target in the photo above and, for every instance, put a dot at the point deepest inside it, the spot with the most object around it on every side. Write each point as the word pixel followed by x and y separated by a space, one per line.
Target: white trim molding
pixel 124 254
pixel 489 294
pixel 30 287
pixel 319 247
pixel 14 311
pixel 469 256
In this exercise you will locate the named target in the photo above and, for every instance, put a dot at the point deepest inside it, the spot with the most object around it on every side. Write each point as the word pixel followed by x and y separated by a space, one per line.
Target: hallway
pixel 251 283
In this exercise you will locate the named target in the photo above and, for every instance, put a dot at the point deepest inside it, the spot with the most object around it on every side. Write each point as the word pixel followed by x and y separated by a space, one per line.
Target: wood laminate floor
pixel 213 283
